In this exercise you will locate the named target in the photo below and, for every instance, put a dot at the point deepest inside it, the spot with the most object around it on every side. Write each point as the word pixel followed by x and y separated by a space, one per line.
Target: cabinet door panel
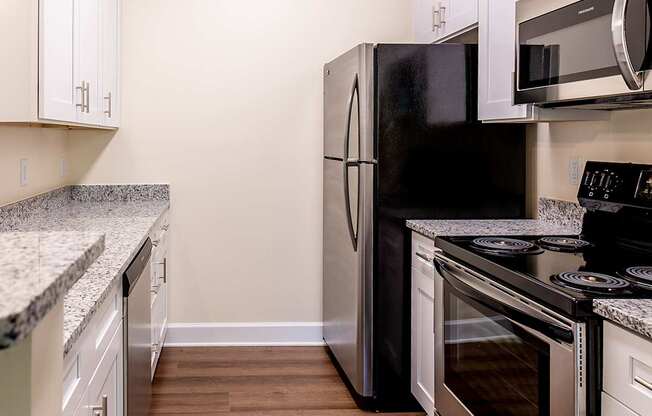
pixel 423 337
pixel 56 89
pixel 107 380
pixel 87 60
pixel 457 15
pixel 110 62
pixel 497 37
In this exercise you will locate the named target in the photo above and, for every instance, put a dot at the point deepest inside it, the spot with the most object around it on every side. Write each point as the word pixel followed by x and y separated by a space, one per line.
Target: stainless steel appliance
pixel 401 140
pixel 588 53
pixel 515 331
pixel 137 333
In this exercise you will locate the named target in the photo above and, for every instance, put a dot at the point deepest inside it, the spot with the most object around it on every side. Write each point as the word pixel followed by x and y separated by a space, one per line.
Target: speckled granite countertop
pixel 635 314
pixel 555 218
pixel 36 270
pixel 125 215
pixel 435 228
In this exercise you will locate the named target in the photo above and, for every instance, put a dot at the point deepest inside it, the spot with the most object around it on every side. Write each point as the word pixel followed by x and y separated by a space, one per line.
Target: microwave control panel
pixel 611 186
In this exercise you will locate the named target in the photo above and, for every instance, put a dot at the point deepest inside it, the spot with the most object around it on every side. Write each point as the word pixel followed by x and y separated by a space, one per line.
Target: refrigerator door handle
pixel 346 163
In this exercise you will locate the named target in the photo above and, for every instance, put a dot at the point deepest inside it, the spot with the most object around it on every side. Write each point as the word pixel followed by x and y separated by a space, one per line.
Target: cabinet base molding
pixel 244 334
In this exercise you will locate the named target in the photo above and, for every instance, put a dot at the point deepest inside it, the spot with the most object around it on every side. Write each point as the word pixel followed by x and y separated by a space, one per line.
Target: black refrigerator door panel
pixel 435 160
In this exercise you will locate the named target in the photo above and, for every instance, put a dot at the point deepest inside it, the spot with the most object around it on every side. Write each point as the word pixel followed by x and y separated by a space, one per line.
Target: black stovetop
pixel 534 274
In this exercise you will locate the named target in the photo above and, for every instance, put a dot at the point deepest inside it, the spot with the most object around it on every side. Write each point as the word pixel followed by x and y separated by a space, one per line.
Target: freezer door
pixel 348 105
pixel 348 255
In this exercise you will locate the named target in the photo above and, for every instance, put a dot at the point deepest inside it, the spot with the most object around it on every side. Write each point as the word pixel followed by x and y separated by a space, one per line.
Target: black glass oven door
pixel 575 43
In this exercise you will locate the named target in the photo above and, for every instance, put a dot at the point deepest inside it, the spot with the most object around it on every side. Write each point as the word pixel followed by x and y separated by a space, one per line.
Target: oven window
pixel 492 366
pixel 575 43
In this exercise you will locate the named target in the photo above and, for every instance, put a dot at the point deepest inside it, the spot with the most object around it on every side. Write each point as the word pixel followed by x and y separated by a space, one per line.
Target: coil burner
pixel 565 244
pixel 505 246
pixel 591 282
pixel 640 276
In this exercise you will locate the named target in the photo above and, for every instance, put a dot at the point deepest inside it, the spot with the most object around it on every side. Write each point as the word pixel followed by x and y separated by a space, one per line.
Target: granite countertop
pixel 435 228
pixel 37 269
pixel 125 215
pixel 634 314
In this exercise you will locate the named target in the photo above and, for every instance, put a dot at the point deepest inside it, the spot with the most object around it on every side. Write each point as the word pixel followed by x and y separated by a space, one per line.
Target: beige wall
pixel 223 99
pixel 43 147
pixel 627 137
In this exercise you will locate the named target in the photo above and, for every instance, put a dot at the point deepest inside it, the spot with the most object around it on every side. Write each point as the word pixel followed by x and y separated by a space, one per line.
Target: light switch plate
pixel 574 171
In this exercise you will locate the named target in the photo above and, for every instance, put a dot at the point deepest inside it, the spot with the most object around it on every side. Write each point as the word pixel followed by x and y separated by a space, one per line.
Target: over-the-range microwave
pixel 593 54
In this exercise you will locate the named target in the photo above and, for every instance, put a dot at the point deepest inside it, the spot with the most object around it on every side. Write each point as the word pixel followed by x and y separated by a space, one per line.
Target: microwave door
pixel 570 53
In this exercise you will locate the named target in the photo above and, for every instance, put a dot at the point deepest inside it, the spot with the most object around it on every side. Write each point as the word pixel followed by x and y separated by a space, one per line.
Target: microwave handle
pixel 633 79
pixel 463 284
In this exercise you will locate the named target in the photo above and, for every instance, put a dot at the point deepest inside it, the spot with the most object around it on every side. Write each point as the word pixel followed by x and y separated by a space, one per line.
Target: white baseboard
pixel 244 334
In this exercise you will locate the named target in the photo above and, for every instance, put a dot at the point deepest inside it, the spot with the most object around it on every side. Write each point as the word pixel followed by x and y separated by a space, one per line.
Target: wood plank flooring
pixel 256 381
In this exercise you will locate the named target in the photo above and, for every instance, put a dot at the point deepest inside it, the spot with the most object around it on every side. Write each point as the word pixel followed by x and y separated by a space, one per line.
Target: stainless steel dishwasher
pixel 137 333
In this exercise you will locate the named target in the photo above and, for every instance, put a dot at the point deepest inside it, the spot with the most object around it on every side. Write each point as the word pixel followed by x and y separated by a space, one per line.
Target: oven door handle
pixel 633 79
pixel 501 303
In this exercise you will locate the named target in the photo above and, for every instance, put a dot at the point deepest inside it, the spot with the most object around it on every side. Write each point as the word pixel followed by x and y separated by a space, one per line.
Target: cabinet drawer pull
pixel 164 263
pixel 442 14
pixel 425 257
pixel 643 383
pixel 436 19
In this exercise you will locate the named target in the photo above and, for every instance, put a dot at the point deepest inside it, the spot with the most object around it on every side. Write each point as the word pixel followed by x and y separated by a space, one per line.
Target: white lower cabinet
pixel 612 407
pixel 627 371
pixel 105 391
pixel 159 289
pixel 93 368
pixel 422 326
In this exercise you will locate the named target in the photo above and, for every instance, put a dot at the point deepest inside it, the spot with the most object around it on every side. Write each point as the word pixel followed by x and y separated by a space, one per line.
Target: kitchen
pixel 192 136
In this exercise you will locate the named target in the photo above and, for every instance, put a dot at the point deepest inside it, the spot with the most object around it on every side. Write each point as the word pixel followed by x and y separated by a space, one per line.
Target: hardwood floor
pixel 261 381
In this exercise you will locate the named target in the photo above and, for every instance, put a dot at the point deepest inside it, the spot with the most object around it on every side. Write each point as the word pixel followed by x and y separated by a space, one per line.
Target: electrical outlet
pixel 63 168
pixel 574 171
pixel 23 172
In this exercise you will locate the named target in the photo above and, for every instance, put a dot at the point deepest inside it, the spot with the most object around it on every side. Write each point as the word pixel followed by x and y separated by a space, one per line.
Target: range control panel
pixel 609 186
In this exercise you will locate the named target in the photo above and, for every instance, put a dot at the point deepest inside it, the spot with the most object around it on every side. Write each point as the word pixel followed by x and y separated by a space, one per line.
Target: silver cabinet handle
pixel 155 347
pixel 442 13
pixel 436 19
pixel 633 79
pixel 165 227
pixel 164 263
pixel 155 243
pixel 425 257
pixel 88 97
pixel 82 91
pixel 643 383
pixel 102 409
pixel 110 100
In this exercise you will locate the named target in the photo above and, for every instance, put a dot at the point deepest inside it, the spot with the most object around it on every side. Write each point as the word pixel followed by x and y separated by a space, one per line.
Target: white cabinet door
pixel 106 386
pixel 426 21
pixel 497 57
pixel 612 407
pixel 56 84
pixel 87 61
pixel 110 62
pixel 456 16
pixel 422 326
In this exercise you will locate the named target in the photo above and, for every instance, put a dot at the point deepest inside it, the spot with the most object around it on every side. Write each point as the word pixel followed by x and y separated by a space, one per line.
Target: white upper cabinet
pixel 438 20
pixel 60 60
pixel 87 61
pixel 110 62
pixel 497 58
pixel 56 89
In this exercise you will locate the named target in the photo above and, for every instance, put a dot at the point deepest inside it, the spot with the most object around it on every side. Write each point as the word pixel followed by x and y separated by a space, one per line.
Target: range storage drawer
pixel 628 368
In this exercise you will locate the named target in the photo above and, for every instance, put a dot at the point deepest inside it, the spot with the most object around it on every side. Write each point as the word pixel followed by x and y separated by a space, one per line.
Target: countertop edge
pixel 27 320
pixel 615 311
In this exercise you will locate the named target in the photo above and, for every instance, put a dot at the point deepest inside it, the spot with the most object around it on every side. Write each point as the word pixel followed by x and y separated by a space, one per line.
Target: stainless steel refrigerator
pixel 401 141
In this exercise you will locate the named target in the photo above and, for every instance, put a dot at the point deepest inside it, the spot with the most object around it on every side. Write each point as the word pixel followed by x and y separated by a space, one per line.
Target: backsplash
pixel 13 215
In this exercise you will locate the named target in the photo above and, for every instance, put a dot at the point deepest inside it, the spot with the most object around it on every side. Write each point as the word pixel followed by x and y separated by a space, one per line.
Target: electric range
pixel 515 333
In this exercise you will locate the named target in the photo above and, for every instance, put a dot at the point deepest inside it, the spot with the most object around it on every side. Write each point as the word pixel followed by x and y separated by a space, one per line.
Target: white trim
pixel 241 334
